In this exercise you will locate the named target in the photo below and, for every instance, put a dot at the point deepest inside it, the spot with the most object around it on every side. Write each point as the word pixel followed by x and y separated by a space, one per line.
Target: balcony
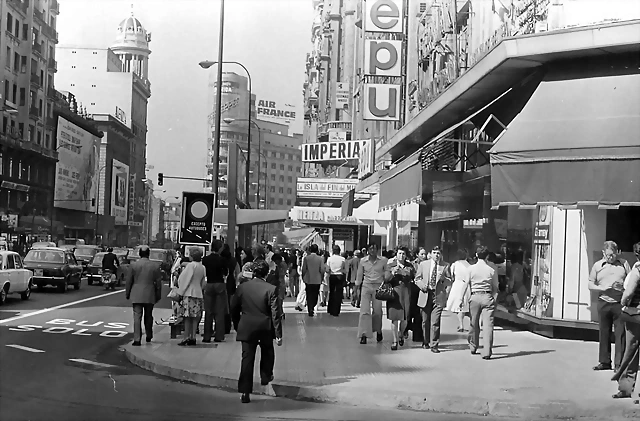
pixel 334 125
pixel 19 5
pixel 50 33
pixel 39 15
pixel 34 112
pixel 52 64
pixel 35 81
pixel 55 7
pixel 51 93
pixel 37 48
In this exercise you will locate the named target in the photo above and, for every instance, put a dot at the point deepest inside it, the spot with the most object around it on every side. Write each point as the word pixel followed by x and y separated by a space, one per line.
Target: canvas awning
pixel 251 216
pixel 575 142
pixel 401 184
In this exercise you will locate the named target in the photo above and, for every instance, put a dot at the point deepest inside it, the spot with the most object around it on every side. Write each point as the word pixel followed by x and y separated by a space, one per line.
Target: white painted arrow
pixel 25 348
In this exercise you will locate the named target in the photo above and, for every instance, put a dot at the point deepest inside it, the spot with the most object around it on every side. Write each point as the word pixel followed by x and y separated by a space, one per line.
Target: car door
pixel 22 275
pixel 5 274
pixel 76 268
pixel 14 277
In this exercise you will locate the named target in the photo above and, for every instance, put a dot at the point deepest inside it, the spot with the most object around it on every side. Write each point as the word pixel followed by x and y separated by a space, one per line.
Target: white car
pixel 14 278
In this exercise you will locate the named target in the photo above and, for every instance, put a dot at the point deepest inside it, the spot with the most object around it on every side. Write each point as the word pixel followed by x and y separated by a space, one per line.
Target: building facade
pixel 509 102
pixel 274 151
pixel 28 155
pixel 114 81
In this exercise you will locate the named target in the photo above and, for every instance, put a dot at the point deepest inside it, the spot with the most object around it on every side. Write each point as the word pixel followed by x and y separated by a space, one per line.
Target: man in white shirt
pixel 337 269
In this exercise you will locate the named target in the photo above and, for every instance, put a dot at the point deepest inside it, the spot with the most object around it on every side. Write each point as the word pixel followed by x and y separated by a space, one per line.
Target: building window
pixel 47 141
pixel 281 167
pixel 10 167
pixel 273 165
pixel 289 202
pixel 28 172
pixel 273 177
pixel 264 164
pixel 290 168
pixel 272 189
pixel 21 130
pixel 20 170
pixel 39 137
pixel 281 190
pixel 32 133
pixel 9 22
pixel 25 32
pixel 289 190
pixel 23 97
pixel 298 169
pixel 272 201
pixel 8 63
pixel 290 179
pixel 281 201
pixel 282 178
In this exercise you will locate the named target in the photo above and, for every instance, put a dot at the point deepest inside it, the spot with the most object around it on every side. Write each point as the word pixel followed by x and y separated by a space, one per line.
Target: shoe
pixel 394 346
pixel 621 395
pixel 601 367
pixel 311 314
pixel 206 341
pixel 192 342
pixel 406 335
pixel 474 351
pixel 265 382
pixel 486 357
pixel 218 340
pixel 435 350
pixel 299 308
pixel 184 342
pixel 363 340
pixel 149 338
pixel 425 346
pixel 245 398
pixel 135 343
pixel 460 329
pixel 379 337
pixel 401 341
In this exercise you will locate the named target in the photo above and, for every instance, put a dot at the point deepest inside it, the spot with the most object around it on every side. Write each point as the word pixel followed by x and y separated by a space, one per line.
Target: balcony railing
pixel 49 32
pixel 34 112
pixel 51 93
pixel 52 64
pixel 35 80
pixel 334 125
pixel 20 5
pixel 55 7
pixel 39 14
pixel 37 48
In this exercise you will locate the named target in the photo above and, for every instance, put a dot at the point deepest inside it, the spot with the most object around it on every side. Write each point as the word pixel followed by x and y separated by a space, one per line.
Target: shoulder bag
pixel 385 292
pixel 173 294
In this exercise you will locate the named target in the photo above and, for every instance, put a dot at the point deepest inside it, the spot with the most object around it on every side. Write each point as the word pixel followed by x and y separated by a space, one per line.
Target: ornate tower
pixel 132 46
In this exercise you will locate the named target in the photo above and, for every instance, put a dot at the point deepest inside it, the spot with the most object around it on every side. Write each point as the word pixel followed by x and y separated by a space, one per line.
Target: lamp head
pixel 228 120
pixel 206 64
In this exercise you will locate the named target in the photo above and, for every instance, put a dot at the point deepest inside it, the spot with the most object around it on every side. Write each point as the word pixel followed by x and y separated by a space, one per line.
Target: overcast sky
pixel 270 37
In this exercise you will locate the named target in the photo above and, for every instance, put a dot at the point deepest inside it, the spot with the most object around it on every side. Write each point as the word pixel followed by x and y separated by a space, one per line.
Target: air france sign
pixel 383 57
pixel 332 151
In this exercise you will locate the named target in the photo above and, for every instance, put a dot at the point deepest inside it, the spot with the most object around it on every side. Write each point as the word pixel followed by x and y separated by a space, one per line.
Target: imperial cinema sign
pixel 383 58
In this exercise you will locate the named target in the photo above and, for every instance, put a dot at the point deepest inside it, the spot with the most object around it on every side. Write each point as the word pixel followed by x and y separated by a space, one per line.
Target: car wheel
pixel 40 287
pixel 27 293
pixel 3 295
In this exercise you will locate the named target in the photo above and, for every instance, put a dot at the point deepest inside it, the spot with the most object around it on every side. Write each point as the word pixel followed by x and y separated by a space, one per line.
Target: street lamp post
pixel 205 65
pixel 95 235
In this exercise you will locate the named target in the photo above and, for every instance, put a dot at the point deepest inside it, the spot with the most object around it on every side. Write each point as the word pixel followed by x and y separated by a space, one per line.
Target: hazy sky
pixel 270 37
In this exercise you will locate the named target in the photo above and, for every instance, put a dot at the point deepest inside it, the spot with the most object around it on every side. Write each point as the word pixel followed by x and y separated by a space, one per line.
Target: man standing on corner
pixel 312 275
pixel 607 278
pixel 215 293
pixel 434 280
pixel 484 284
pixel 144 289
pixel 256 312
pixel 372 272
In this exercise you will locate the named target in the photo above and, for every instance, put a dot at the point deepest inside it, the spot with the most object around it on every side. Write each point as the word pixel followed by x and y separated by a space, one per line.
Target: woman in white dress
pixel 458 301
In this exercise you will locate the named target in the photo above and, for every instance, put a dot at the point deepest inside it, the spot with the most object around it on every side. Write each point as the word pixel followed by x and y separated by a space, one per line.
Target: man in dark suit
pixel 144 289
pixel 256 312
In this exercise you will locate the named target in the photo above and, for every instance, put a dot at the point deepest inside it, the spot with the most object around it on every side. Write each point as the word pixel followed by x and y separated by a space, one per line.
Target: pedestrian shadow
pixel 463 347
pixel 520 354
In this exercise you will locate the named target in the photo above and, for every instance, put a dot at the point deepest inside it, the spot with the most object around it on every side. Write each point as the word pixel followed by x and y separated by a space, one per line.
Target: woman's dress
pixel 457 296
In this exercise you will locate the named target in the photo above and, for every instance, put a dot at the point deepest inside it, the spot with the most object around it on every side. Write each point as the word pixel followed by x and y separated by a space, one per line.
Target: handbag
pixel 173 295
pixel 385 292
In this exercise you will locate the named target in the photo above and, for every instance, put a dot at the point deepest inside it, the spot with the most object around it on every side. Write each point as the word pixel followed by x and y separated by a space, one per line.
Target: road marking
pixel 83 361
pixel 25 348
pixel 46 310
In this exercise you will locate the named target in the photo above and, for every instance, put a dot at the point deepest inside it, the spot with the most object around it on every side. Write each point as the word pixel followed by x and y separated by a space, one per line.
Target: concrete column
pixel 232 193
pixel 392 230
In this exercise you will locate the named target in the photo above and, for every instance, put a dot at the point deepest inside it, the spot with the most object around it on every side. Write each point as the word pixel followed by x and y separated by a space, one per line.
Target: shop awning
pixel 401 184
pixel 251 216
pixel 575 142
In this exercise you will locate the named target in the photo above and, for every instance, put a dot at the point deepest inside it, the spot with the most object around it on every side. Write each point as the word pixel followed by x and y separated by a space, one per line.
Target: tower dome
pixel 132 46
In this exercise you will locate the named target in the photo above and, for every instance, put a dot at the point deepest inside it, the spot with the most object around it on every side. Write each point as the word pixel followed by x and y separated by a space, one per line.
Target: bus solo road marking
pixel 111 329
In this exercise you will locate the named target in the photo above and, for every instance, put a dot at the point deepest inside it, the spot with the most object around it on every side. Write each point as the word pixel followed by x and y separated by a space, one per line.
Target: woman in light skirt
pixel 398 309
pixel 458 301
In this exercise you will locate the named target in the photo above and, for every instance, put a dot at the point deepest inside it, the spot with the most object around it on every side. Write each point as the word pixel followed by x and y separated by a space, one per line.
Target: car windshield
pixel 97 260
pixel 48 256
pixel 86 251
pixel 156 255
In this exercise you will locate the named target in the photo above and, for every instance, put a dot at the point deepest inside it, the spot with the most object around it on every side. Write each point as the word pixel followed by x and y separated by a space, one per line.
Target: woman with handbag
pixel 191 283
pixel 628 371
pixel 402 272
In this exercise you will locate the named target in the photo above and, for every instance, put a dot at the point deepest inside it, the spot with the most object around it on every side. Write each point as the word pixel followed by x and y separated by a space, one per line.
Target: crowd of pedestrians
pixel 414 288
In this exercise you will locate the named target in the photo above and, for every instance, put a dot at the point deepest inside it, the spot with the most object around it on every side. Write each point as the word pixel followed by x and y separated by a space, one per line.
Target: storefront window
pixel 537 303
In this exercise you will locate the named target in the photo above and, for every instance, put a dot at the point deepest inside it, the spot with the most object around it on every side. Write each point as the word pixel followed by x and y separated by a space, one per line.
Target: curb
pixel 384 399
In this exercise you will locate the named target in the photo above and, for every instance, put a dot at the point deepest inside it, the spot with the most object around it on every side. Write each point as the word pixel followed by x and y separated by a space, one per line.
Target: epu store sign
pixel 383 58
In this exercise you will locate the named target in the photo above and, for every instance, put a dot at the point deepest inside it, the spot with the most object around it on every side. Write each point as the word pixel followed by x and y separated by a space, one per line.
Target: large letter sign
pixel 383 58
pixel 382 102
pixel 383 16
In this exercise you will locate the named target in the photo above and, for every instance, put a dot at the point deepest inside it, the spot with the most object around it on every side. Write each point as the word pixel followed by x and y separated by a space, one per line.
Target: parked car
pixel 14 278
pixel 94 270
pixel 85 254
pixel 53 266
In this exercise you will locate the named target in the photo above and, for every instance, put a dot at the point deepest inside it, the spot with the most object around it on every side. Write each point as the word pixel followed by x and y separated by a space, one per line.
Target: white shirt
pixel 336 264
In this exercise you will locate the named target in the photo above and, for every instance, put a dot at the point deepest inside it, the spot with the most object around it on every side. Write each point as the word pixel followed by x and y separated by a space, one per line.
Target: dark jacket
pixel 110 262
pixel 254 308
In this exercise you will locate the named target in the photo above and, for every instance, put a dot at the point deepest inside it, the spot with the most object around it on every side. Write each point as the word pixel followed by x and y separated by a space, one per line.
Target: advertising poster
pixel 540 298
pixel 119 192
pixel 77 167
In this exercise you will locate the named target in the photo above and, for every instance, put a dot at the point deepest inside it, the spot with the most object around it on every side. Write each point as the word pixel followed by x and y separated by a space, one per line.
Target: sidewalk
pixel 529 376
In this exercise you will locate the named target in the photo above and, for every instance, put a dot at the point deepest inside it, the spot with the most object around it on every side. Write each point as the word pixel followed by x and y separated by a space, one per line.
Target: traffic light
pixel 160 179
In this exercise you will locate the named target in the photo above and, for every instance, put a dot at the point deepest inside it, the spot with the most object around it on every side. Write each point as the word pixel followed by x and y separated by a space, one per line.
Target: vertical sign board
pixel 383 58
pixel 343 95
pixel 196 221
pixel 366 159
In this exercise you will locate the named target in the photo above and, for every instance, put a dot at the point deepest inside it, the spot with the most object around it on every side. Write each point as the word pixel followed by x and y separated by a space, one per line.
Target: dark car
pixel 85 254
pixel 163 257
pixel 53 266
pixel 94 269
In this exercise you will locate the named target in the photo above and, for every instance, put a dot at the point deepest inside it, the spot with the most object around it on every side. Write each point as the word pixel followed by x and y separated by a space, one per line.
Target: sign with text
pixel 337 136
pixel 331 151
pixel 77 167
pixel 325 187
pixel 384 16
pixel 383 58
pixel 270 109
pixel 119 192
pixel 381 102
pixel 196 222
pixel 343 95
pixel 366 159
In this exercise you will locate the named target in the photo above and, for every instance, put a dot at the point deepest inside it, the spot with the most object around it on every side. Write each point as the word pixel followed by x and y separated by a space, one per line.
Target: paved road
pixel 39 379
